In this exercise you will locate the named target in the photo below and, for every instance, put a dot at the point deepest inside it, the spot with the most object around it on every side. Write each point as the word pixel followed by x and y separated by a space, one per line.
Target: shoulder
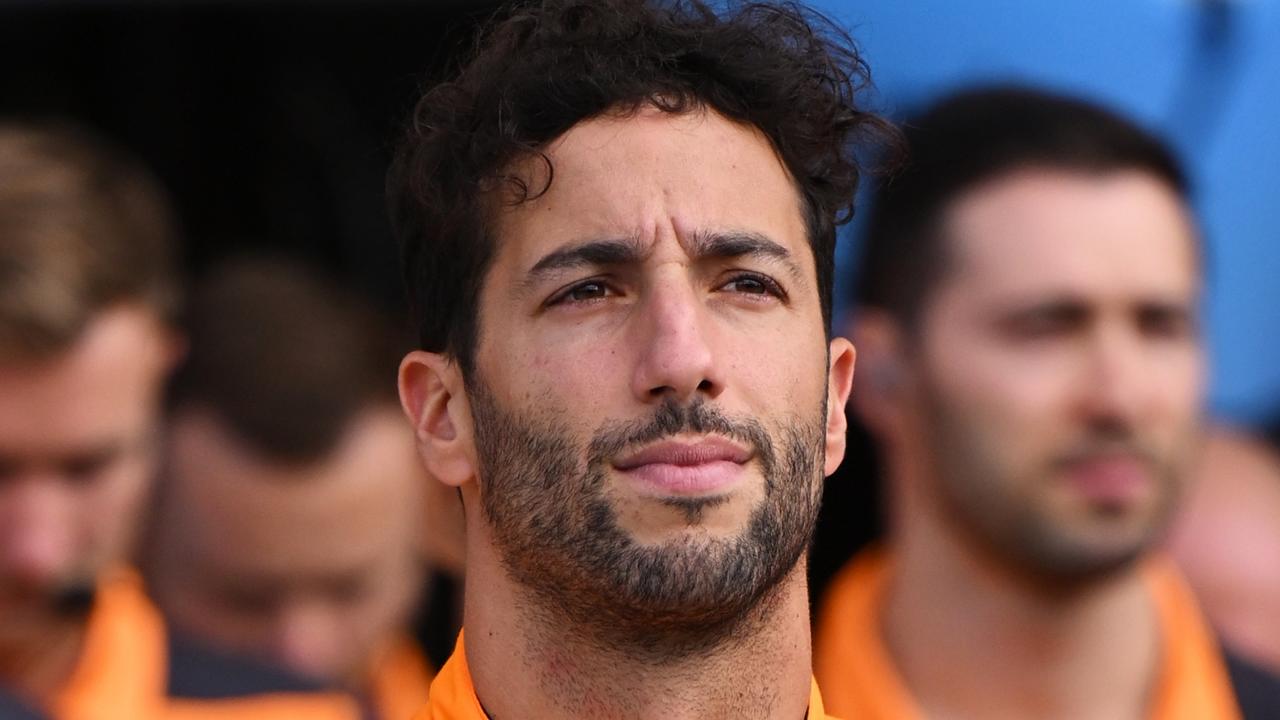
pixel 1257 690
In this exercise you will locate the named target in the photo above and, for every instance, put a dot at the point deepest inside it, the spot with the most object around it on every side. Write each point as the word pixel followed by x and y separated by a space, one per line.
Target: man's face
pixel 315 567
pixel 1061 368
pixel 77 452
pixel 651 374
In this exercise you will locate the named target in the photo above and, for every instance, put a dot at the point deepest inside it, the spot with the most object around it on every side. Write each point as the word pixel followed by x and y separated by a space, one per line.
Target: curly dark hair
pixel 541 69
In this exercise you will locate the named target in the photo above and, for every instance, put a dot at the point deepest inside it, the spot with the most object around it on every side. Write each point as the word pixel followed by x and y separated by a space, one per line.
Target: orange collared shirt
pixel 453 696
pixel 401 681
pixel 853 664
pixel 122 672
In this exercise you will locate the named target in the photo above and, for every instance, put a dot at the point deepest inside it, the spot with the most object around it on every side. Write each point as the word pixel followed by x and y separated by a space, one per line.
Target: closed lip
pixel 701 451
pixel 1127 466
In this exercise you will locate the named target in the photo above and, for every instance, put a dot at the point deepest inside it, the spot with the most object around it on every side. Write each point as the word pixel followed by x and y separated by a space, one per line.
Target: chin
pixel 656 522
pixel 1085 560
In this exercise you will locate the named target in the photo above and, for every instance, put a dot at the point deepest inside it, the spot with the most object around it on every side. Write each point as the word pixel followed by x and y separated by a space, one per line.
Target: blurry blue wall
pixel 1203 74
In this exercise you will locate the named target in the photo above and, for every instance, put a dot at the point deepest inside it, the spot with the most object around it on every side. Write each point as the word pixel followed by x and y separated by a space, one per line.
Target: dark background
pixel 271 123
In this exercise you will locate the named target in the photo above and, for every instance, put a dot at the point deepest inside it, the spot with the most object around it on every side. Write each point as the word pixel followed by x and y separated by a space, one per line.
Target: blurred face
pixel 1061 368
pixel 651 379
pixel 313 567
pixel 77 451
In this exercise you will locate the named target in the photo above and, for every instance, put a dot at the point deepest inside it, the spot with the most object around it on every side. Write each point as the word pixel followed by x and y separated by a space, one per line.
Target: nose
pixel 1118 386
pixel 308 640
pixel 676 355
pixel 37 531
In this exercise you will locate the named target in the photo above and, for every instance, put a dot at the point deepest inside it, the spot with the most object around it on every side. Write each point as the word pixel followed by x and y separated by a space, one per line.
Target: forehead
pixel 243 512
pixel 1092 235
pixel 642 174
pixel 101 389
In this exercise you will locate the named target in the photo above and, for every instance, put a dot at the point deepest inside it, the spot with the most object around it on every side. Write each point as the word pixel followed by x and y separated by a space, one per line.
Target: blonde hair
pixel 83 226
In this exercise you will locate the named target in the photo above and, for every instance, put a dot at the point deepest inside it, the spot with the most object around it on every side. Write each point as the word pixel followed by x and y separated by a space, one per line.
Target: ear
pixel 166 344
pixel 839 381
pixel 431 393
pixel 879 395
pixel 175 350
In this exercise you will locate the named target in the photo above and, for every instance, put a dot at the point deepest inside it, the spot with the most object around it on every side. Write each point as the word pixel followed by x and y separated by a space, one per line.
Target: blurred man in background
pixel 1032 364
pixel 1227 542
pixel 87 292
pixel 291 525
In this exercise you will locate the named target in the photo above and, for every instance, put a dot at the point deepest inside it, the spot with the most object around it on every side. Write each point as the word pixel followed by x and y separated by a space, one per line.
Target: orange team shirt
pixel 453 696
pixel 853 664
pixel 122 672
pixel 401 682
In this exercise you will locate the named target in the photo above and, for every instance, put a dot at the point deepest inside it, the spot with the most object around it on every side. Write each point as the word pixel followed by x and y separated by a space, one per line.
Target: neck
pixel 526 663
pixel 973 639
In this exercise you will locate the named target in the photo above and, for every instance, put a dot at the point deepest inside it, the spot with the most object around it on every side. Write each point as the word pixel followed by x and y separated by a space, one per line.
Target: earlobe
pixel 430 388
pixel 839 382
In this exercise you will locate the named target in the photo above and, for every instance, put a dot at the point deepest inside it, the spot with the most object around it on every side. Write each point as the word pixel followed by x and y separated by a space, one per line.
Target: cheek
pixel 1006 391
pixel 561 380
pixel 395 594
pixel 1179 385
pixel 780 383
pixel 1012 411
pixel 783 362
pixel 110 511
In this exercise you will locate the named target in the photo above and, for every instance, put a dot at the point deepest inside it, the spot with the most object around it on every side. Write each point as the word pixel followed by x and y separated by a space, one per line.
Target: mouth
pixel 698 467
pixel 1116 480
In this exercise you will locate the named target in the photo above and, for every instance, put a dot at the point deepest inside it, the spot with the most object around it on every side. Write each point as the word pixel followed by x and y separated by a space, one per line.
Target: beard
pixel 1006 514
pixel 33 620
pixel 546 500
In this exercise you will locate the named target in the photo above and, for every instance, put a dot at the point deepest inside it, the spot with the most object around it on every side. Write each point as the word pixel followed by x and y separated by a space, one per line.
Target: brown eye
pixel 587 291
pixel 9 468
pixel 749 285
pixel 1166 322
pixel 85 469
pixel 753 284
pixel 584 292
pixel 1054 320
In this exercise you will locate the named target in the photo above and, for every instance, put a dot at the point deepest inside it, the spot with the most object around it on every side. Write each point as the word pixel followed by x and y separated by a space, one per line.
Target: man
pixel 87 290
pixel 1227 542
pixel 1028 325
pixel 290 523
pixel 618 223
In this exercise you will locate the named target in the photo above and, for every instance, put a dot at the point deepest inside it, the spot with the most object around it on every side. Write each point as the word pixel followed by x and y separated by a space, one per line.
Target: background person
pixel 1028 326
pixel 290 525
pixel 1227 542
pixel 87 295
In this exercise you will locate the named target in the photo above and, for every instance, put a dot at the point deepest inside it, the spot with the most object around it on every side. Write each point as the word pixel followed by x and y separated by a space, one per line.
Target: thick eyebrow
pixel 705 245
pixel 742 243
pixel 594 253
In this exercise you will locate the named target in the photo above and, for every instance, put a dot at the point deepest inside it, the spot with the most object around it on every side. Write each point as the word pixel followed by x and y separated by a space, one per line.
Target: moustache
pixel 75 599
pixel 71 599
pixel 1095 449
pixel 672 419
